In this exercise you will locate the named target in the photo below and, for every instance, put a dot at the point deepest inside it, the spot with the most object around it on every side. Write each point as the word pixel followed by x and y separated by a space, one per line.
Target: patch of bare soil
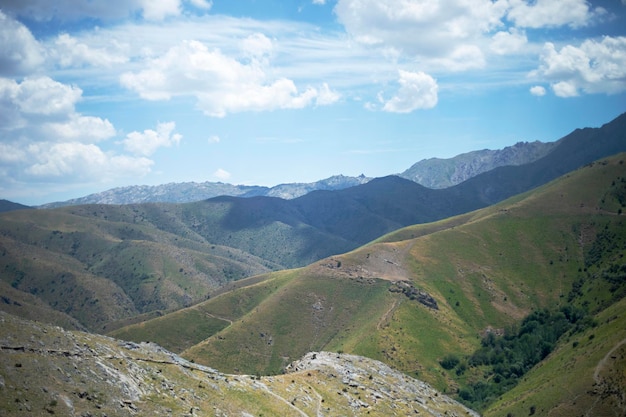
pixel 382 261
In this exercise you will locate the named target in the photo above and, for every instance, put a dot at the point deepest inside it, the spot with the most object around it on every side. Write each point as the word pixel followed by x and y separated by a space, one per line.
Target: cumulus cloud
pixel 35 99
pixel 221 84
pixel 538 91
pixel 592 67
pixel 76 127
pixel 46 140
pixel 214 139
pixel 508 42
pixel 550 13
pixel 445 30
pixel 44 96
pixel 147 142
pixel 87 161
pixel 20 53
pixel 417 91
pixel 67 51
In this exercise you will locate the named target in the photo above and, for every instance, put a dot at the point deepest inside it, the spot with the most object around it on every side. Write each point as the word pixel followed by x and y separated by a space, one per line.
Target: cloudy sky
pixel 97 94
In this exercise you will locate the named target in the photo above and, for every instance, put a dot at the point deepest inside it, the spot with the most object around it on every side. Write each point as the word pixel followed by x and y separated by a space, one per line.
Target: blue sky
pixel 99 94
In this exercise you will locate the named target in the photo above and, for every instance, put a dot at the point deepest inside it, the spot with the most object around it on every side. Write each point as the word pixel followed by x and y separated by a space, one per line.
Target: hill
pixel 6 205
pixel 50 371
pixel 101 264
pixel 431 292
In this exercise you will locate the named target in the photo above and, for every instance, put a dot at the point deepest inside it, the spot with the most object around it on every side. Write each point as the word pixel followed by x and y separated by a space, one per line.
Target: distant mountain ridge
pixel 187 192
pixel 443 173
pixel 435 173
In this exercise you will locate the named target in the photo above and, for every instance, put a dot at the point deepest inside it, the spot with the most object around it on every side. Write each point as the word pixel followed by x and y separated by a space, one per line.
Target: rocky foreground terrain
pixel 45 370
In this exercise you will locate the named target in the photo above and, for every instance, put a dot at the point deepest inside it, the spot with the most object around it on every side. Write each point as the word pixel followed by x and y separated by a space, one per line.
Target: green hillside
pixel 428 292
pixel 102 264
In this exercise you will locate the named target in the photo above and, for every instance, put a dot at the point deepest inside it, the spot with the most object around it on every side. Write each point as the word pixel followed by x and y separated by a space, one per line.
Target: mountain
pixel 427 298
pixel 105 264
pixel 192 191
pixel 6 205
pixel 433 173
pixel 442 173
pixel 50 371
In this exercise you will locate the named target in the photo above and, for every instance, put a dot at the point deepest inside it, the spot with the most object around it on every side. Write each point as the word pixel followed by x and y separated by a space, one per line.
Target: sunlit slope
pixel 485 270
pixel 46 370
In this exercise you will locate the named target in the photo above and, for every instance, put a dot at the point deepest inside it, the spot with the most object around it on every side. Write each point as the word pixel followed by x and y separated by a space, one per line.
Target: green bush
pixel 449 362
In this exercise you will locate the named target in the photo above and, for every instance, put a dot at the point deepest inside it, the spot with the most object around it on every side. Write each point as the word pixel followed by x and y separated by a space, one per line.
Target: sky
pixel 100 94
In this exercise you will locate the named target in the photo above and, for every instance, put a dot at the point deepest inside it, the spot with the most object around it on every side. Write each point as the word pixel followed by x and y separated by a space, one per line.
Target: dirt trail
pixel 600 383
pixel 602 363
pixel 229 321
pixel 387 314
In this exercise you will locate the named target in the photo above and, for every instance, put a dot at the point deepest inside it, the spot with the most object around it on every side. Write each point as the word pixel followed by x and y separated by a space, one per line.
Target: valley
pixel 335 302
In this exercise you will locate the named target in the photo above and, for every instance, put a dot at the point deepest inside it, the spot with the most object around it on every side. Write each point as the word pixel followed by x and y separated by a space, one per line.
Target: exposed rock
pixel 407 288
pixel 81 374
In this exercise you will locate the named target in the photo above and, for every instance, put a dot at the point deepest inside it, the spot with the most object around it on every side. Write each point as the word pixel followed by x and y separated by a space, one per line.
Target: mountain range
pixel 483 290
pixel 514 309
pixel 432 173
pixel 396 326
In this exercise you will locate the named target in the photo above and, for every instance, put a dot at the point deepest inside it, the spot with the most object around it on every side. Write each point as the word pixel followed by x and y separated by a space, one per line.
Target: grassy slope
pixel 101 264
pixel 564 384
pixel 486 269
pixel 45 370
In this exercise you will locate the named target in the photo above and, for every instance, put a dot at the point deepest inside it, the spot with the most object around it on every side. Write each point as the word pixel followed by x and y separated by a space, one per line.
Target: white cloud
pixel 322 2
pixel 88 129
pixel 46 140
pixel 159 9
pixel 593 67
pixel 417 91
pixel 552 13
pixel 76 160
pixel 40 96
pixel 147 142
pixel 214 139
pixel 429 29
pixel 565 89
pixel 221 174
pixel 538 91
pixel 326 96
pixel 20 53
pixel 220 83
pixel 256 45
pixel 69 52
pixel 509 42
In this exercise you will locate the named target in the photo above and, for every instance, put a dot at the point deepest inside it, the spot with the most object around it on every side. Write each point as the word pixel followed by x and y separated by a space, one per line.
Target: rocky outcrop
pixel 408 289
pixel 45 370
